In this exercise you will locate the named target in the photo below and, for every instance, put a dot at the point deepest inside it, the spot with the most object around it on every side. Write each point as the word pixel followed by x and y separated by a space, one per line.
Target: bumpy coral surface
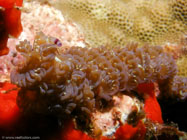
pixel 182 66
pixel 118 22
pixel 79 79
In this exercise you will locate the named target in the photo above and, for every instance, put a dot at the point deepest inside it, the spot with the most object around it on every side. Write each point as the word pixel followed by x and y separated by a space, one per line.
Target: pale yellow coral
pixel 117 22
pixel 182 66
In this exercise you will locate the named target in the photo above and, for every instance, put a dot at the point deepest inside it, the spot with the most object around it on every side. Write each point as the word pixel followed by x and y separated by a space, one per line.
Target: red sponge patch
pixel 127 132
pixel 70 133
pixel 9 110
pixel 10 22
pixel 152 108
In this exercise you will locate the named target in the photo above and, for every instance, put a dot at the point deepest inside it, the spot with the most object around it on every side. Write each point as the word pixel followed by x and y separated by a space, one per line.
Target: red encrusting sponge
pixel 152 108
pixel 9 111
pixel 10 22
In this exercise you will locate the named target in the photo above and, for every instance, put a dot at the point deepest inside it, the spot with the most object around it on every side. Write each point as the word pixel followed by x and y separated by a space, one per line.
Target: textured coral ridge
pixel 10 22
pixel 78 79
pixel 118 22
pixel 182 66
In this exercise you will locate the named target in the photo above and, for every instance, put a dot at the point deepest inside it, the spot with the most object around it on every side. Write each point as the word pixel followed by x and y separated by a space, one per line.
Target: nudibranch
pixel 10 22
pixel 78 81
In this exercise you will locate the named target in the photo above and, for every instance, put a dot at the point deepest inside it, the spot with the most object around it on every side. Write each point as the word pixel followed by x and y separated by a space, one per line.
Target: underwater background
pixel 93 69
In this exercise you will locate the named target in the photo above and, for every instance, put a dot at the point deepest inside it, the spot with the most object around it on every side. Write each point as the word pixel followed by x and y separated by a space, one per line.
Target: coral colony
pixel 104 89
pixel 109 21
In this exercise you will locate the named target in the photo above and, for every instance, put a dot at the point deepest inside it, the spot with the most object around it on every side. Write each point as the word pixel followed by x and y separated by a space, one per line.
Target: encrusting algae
pixel 119 22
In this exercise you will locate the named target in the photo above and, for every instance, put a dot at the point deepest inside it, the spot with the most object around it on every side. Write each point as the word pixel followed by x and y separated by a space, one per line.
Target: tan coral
pixel 118 22
pixel 179 8
pixel 182 66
